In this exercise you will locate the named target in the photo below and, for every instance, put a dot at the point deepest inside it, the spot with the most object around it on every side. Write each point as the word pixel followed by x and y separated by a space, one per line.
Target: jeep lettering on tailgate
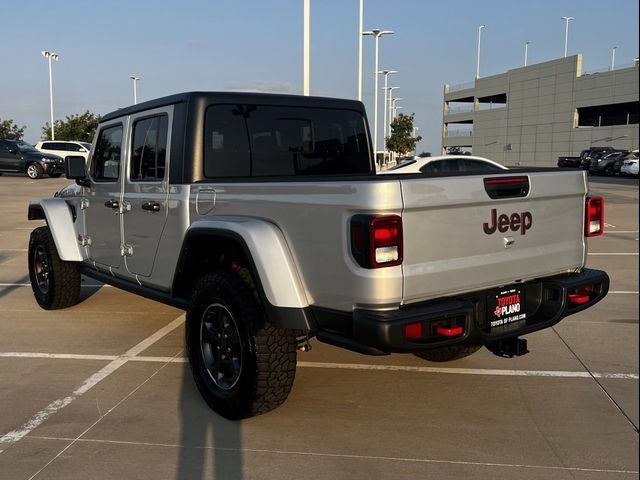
pixel 514 222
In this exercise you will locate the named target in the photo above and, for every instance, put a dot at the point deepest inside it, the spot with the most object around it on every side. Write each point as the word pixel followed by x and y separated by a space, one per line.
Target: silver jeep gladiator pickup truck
pixel 262 216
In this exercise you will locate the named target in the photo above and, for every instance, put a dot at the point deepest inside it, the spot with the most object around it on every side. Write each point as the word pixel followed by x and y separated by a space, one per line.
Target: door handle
pixel 151 206
pixel 111 203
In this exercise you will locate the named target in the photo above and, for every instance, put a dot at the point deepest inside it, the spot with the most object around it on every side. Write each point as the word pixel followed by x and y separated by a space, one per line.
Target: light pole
pixel 135 90
pixel 566 33
pixel 613 58
pixel 479 39
pixel 390 89
pixel 415 149
pixel 50 56
pixel 392 115
pixel 306 42
pixel 526 53
pixel 386 74
pixel 394 110
pixel 377 33
pixel 360 27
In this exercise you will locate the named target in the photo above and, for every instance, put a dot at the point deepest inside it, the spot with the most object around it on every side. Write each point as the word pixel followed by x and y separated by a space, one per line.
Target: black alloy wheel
pixel 220 346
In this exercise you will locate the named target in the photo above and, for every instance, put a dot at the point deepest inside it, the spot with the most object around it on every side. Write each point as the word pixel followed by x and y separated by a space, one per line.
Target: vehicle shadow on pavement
pixel 4 291
pixel 206 438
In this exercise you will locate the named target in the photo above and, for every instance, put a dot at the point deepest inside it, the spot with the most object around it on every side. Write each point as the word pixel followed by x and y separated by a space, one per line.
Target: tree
pixel 10 130
pixel 454 151
pixel 401 140
pixel 74 127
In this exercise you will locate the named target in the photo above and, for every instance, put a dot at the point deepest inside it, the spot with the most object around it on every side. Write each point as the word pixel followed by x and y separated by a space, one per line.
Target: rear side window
pixel 441 166
pixel 108 154
pixel 149 149
pixel 73 147
pixel 276 141
pixel 226 143
pixel 478 166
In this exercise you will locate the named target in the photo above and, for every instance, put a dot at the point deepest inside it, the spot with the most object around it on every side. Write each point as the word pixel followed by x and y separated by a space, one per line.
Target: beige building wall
pixel 539 121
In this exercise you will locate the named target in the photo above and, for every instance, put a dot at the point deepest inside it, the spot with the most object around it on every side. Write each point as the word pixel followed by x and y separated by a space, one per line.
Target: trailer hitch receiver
pixel 509 348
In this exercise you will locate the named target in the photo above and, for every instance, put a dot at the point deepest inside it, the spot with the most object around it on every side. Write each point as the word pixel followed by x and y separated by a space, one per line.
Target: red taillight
pixel 594 217
pixel 413 331
pixel 376 241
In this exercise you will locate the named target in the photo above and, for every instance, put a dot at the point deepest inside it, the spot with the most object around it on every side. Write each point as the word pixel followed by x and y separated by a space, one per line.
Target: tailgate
pixel 448 249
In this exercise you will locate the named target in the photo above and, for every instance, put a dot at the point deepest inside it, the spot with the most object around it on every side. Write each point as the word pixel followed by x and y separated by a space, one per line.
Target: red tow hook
pixel 580 295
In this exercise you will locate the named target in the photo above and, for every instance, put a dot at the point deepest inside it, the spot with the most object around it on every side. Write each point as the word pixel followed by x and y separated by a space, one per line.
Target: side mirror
pixel 75 169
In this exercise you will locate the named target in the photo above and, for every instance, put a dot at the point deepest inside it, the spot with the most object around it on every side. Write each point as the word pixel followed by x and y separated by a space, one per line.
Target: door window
pixel 108 154
pixel 149 149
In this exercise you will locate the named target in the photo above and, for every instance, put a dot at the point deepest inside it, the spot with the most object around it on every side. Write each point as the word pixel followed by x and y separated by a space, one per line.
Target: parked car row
pixel 46 158
pixel 611 163
pixel 603 161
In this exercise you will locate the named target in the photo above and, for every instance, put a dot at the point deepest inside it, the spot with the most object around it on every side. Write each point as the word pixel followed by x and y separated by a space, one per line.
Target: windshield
pixel 86 145
pixel 24 146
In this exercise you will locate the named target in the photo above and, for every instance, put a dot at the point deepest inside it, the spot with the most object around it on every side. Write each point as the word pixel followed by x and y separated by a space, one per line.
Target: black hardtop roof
pixel 237 97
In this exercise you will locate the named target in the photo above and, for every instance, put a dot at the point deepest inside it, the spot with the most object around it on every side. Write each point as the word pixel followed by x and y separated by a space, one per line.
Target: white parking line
pixel 469 371
pixel 89 285
pixel 15 435
pixel 343 455
pixel 342 366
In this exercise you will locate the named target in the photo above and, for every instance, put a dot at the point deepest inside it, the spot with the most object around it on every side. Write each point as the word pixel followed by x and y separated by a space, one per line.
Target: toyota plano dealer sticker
pixel 507 307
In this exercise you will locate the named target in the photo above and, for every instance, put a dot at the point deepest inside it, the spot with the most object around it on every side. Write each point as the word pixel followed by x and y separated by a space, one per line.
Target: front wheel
pixel 448 354
pixel 241 364
pixel 34 171
pixel 55 283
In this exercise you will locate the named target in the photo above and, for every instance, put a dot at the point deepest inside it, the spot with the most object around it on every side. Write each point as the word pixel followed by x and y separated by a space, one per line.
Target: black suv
pixel 604 164
pixel 20 157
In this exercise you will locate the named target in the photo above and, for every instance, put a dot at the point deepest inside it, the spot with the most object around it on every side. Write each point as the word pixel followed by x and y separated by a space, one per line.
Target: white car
pixel 64 148
pixel 446 164
pixel 630 164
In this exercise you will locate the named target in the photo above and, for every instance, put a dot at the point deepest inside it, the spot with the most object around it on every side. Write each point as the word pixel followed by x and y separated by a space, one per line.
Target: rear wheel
pixel 34 170
pixel 447 354
pixel 55 283
pixel 241 364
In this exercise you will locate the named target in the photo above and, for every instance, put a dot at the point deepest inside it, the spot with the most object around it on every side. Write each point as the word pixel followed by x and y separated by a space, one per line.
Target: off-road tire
pixel 266 355
pixel 34 171
pixel 59 286
pixel 447 354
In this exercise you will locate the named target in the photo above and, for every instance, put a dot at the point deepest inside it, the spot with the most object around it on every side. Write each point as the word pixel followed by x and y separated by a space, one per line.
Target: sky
pixel 253 45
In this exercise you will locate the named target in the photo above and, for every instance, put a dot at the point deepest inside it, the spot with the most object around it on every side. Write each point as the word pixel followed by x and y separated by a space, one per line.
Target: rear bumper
pixel 379 332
